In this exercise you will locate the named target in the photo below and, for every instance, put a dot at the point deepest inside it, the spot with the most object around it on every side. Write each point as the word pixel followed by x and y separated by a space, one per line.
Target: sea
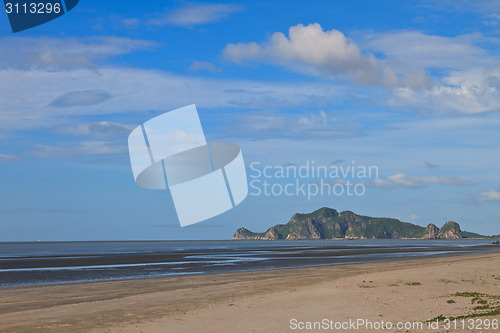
pixel 38 263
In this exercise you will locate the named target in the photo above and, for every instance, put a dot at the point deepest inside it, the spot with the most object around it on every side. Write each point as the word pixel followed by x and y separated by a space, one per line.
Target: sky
pixel 411 88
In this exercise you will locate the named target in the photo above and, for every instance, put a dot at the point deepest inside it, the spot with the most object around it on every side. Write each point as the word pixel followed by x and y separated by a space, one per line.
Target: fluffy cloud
pixel 470 82
pixel 469 92
pixel 403 180
pixel 330 53
pixel 193 15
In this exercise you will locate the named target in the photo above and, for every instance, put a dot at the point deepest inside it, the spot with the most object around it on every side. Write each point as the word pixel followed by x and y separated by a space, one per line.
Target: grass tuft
pixel 481 307
pixel 482 310
pixel 413 283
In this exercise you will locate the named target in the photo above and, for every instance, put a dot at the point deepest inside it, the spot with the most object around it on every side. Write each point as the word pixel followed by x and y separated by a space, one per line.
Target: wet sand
pixel 262 301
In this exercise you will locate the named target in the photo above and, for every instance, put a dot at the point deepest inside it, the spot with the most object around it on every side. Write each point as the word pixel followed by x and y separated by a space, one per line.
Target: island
pixel 327 223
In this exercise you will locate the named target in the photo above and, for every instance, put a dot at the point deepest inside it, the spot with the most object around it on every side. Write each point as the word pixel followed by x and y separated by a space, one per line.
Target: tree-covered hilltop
pixel 327 223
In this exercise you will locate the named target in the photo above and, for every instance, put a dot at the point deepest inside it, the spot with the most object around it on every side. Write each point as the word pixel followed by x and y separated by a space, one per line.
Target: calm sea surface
pixel 62 262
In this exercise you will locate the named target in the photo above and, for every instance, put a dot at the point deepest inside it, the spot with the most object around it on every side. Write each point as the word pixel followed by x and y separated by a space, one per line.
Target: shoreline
pixel 453 253
pixel 99 264
pixel 136 304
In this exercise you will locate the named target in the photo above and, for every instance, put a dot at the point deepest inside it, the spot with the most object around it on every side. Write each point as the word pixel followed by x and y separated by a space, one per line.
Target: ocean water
pixel 63 262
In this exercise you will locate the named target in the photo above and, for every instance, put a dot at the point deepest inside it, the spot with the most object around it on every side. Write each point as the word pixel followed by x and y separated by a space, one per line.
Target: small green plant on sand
pixel 450 301
pixel 413 283
pixel 490 305
pixel 481 307
pixel 468 294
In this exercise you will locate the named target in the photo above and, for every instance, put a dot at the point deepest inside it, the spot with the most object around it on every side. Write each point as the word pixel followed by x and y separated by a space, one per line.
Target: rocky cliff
pixel 450 230
pixel 431 232
pixel 327 223
pixel 243 233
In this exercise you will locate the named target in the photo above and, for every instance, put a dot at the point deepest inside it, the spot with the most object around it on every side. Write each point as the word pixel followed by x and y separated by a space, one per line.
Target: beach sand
pixel 267 301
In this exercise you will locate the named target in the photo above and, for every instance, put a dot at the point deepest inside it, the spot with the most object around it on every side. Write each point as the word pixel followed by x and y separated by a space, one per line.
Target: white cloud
pixel 311 50
pixel 479 198
pixel 472 86
pixel 195 14
pixel 102 128
pixel 403 180
pixel 266 125
pixel 106 140
pixel 415 48
pixel 80 149
pixel 63 53
pixel 470 92
pixel 470 82
pixel 8 158
pixel 81 98
pixel 204 65
pixel 136 90
pixel 491 195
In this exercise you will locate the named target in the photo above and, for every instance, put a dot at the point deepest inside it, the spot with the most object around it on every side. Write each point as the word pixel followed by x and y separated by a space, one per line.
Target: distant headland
pixel 327 223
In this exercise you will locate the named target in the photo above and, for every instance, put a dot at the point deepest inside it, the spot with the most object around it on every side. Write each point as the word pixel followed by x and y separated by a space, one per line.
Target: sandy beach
pixel 401 292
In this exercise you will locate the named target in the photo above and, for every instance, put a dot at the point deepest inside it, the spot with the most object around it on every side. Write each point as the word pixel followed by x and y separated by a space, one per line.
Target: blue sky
pixel 412 87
